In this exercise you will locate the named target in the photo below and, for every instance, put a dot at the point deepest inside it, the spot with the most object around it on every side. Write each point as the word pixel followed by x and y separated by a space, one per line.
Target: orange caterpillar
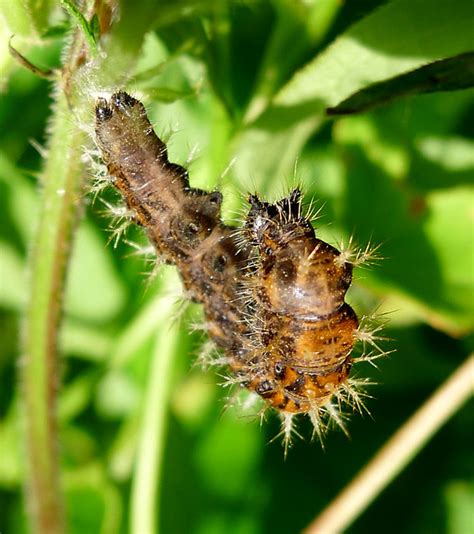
pixel 273 294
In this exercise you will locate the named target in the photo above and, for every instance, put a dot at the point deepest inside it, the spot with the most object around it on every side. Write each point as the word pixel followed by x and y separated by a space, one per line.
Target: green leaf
pixel 29 18
pixel 168 94
pixel 21 200
pixel 399 37
pixel 455 154
pixel 298 27
pixel 449 230
pixel 86 27
pixel 40 12
pixel 11 464
pixel 94 291
pixel 459 498
pixel 117 396
pixel 94 26
pixel 74 397
pixel 13 285
pixel 426 239
pixel 93 503
pixel 450 74
pixel 265 157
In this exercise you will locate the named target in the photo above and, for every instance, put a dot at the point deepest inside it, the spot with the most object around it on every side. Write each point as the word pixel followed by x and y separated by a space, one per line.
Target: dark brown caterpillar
pixel 183 223
pixel 273 294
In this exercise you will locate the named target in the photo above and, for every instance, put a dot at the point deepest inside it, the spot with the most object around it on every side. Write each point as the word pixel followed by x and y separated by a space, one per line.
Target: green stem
pixel 145 511
pixel 60 179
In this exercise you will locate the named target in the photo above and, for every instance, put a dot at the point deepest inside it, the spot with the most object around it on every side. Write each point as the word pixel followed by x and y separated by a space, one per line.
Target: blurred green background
pixel 248 82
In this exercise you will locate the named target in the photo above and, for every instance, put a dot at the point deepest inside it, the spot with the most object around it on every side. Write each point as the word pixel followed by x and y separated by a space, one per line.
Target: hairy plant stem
pixel 397 452
pixel 61 181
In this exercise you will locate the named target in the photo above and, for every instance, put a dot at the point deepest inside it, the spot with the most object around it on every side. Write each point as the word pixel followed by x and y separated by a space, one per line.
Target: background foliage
pixel 248 82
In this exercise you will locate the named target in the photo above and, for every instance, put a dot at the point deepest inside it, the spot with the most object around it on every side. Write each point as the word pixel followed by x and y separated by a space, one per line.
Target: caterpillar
pixel 273 293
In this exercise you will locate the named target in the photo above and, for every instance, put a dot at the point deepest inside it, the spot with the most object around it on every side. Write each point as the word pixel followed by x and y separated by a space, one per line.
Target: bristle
pixel 354 394
pixel 231 380
pixel 288 430
pixel 225 172
pixel 319 428
pixel 248 404
pixel 368 333
pixel 357 256
pixel 335 416
pixel 148 252
pixel 42 151
pixel 311 211
pixel 180 306
pixel 117 231
pixel 193 155
pixel 210 356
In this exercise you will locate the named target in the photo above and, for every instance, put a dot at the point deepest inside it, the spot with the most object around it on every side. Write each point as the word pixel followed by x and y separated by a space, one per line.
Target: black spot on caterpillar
pixel 273 293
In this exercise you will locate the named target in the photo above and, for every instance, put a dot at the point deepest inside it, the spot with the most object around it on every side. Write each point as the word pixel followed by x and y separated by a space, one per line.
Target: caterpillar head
pixel 270 226
pixel 124 133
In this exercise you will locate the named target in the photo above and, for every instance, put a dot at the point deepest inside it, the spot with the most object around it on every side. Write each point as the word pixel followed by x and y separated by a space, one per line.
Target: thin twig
pixel 396 453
